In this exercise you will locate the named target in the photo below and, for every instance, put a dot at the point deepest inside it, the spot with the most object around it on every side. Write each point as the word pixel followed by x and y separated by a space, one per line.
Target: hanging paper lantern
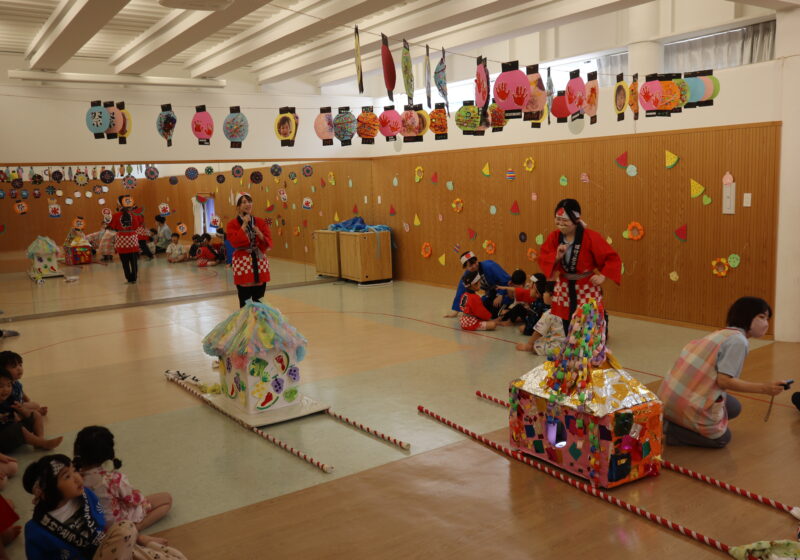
pixel 237 171
pixel 127 123
pixel 559 109
pixel 633 97
pixel 308 171
pixel 107 176
pixel 620 97
pixel 323 126
pixel 286 126
pixel 497 117
pixel 536 107
pixel 97 119
pixel 116 120
pixel 390 123
pixel 481 83
pixel 410 123
pixel 128 182
pixel 650 94
pixel 683 88
pixel 202 125
pixel 512 90
pixel 575 94
pixel 439 122
pixel 256 177
pixel 368 125
pixel 424 120
pixel 468 117
pixel 389 75
pixel 276 170
pixel 670 96
pixel 344 126
pixel 191 173
pixel 440 79
pixel 165 123
pixel 592 93
pixel 235 127
pixel 152 172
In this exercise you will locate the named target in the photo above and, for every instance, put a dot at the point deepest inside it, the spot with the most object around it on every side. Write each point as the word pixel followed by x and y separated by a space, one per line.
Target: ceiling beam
pixel 68 28
pixel 317 56
pixel 776 5
pixel 175 33
pixel 79 78
pixel 498 29
pixel 326 17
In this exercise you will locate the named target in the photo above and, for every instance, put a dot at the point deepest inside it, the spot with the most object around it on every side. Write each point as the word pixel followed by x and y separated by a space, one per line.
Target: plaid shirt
pixel 690 392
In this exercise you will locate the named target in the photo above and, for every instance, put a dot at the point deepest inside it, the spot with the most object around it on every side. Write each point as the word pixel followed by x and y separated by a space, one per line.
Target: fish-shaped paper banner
pixel 440 79
pixel 428 74
pixel 359 75
pixel 389 76
pixel 408 71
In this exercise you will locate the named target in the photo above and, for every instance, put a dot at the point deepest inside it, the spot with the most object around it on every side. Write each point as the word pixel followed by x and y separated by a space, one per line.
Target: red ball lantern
pixel 559 108
pixel 512 90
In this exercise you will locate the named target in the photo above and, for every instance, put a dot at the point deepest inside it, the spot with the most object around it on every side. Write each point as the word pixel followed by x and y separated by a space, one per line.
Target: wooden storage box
pixel 326 252
pixel 366 257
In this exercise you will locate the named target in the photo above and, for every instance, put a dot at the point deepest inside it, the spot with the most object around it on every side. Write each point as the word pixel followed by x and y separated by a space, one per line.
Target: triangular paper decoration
pixel 670 159
pixel 441 260
pixel 472 233
pixel 696 188
pixel 435 177
pixel 622 160
pixel 515 208
pixel 681 232
pixel 336 216
pixel 321 182
pixel 486 171
pixel 391 210
pixel 355 208
pixel 416 220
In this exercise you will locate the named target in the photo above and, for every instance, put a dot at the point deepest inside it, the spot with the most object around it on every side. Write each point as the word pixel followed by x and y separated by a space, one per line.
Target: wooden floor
pixel 374 354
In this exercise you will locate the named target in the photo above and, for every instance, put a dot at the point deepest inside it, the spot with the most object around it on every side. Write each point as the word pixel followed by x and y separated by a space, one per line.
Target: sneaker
pixel 796 400
pixel 8 334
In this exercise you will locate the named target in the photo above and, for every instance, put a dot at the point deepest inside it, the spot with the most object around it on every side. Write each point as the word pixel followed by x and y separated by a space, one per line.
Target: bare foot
pixel 49 444
pixel 504 323
pixel 451 314
pixel 525 347
pixel 10 534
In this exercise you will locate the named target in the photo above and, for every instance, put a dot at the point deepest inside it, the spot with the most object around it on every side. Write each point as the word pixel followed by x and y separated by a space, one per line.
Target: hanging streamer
pixel 440 79
pixel 408 72
pixel 428 74
pixel 389 76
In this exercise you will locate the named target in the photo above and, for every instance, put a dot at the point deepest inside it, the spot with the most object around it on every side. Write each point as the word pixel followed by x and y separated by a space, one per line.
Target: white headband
pixel 466 257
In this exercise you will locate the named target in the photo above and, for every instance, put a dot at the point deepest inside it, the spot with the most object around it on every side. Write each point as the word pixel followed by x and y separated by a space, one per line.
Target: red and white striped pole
pixel 581 485
pixel 367 429
pixel 266 436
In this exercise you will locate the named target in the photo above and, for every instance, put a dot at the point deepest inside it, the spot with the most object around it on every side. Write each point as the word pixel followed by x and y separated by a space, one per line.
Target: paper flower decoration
pixel 457 205
pixel 293 176
pixel 276 170
pixel 151 173
pixel 128 182
pixel 390 122
pixel 634 232
pixel 490 247
pixel 674 276
pixel 165 123
pixel 237 171
pixel 191 173
pixel 419 172
pixel 235 127
pixel 529 164
pixel 107 176
pixel 323 126
pixel 97 119
pixel 426 250
pixel 21 207
pixel 532 254
pixel 37 179
pixel 256 177
pixel 344 126
pixel 202 125
pixel 209 170
pixel 368 125
pixel 307 171
pixel 81 179
pixel 719 267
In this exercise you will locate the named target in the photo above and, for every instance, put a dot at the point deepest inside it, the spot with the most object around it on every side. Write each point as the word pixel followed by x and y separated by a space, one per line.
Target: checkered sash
pixel 242 266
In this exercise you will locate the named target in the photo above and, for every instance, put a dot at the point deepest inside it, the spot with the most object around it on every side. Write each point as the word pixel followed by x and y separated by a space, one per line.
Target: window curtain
pixel 747 45
pixel 608 66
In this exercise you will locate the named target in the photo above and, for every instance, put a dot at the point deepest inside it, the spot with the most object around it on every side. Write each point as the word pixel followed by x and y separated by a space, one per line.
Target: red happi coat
pixel 249 265
pixel 595 254
pixel 126 240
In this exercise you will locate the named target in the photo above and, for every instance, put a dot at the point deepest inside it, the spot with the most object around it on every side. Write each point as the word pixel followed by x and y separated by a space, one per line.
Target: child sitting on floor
pixel 18 425
pixel 12 363
pixel 175 251
pixel 531 300
pixel 195 247
pixel 94 450
pixel 474 315
pixel 205 255
pixel 548 333
pixel 68 523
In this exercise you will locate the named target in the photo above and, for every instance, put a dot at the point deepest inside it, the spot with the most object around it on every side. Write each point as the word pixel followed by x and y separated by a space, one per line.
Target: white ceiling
pixel 275 40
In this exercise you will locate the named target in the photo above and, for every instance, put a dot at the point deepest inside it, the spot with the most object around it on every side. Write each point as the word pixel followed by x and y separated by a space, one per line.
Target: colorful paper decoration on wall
pixel 592 94
pixel 389 75
pixel 457 205
pixel 107 176
pixel 440 79
pixel 128 182
pixel 37 193
pixel 97 119
pixel 734 260
pixel 21 207
pixel 359 73
pixel 696 189
pixel 390 123
pixel 426 250
pixel 468 118
pixel 392 211
pixel 486 170
pixel 275 170
pixel 719 267
pixel 208 170
pixel 634 232
pixel 512 90
pixel 237 171
pixel 202 125
pixel 344 126
pixel 515 208
pixel 510 175
pixel 419 172
pixel 286 124
pixel 439 122
pixel 407 71
pixel 622 160
pixel 490 247
pixel 563 181
pixel 163 209
pixel 621 94
pixel 115 120
pixel 670 159
pixel 368 125
pixel 127 123
pixel 706 200
pixel 235 127
pixel 165 123
pixel 191 173
pixel 681 233
pixel 308 204
pixel 256 177
pixel 181 228
pixel 307 171
pixel 417 221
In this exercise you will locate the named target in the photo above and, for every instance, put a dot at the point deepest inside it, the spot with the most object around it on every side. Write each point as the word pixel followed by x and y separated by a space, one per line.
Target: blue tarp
pixel 357 224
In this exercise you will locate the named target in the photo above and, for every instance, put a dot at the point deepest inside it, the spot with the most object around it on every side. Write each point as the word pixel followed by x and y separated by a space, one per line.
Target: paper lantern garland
pixel 286 124
pixel 439 122
pixel 536 108
pixel 468 117
pixel 235 127
pixel 323 126
pixel 165 123
pixel 390 123
pixel 344 126
pixel 202 125
pixel 512 90
pixel 97 119
pixel 368 125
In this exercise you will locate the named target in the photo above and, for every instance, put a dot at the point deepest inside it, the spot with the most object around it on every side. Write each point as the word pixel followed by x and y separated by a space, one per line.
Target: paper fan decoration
pixel 191 173
pixel 307 171
pixel 390 123
pixel 235 127
pixel 323 126
pixel 128 182
pixel 237 171
pixel 107 176
pixel 286 126
pixel 440 79
pixel 81 179
pixel 97 119
pixel 439 122
pixel 202 125
pixel 344 126
pixel 165 123
pixel 368 125
pixel 256 177
pixel 389 73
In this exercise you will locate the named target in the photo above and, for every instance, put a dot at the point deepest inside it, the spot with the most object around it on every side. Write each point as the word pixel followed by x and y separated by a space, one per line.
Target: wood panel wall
pixel 657 197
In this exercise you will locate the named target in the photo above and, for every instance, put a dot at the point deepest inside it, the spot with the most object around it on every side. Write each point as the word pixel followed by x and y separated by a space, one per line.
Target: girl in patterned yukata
pixel 250 238
pixel 696 405
pixel 68 521
pixel 96 461
pixel 474 315
pixel 579 260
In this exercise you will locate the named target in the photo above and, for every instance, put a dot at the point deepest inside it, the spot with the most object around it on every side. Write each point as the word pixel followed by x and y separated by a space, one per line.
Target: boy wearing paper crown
pixel 474 315
pixel 250 238
pixel 491 275
pixel 126 242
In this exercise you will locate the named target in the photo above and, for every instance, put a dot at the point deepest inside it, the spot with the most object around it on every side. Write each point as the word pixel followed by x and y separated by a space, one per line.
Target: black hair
pixel 178 235
pixel 469 261
pixel 572 208
pixel 206 236
pixel 195 237
pixel 541 283
pixel 247 196
pixel 469 278
pixel 744 310
pixel 220 231
pixel 5 374
pixel 94 445
pixel 284 120
pixel 9 358
pixel 40 473
pixel 518 276
pixel 161 219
